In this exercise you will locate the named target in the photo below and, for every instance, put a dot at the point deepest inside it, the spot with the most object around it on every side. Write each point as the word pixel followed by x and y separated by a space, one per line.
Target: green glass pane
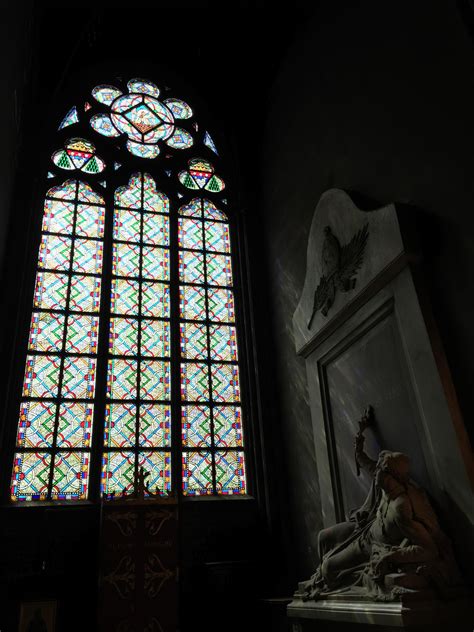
pixel 155 299
pixel 225 382
pixel 228 426
pixel 193 337
pixel 82 333
pixel 124 296
pixel 70 476
pixel 196 426
pixel 194 382
pixel 78 377
pixel 223 343
pixel 155 381
pixel 46 331
pixel 123 336
pixel 155 338
pixel 155 263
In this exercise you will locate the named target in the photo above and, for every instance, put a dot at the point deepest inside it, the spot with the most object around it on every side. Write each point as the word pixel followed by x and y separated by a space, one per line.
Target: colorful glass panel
pixel 118 471
pixel 55 252
pixel 85 294
pixel 154 426
pixel 180 109
pixel 78 377
pixel 90 221
pixel 197 473
pixel 181 139
pixel 82 334
pixel 193 341
pixel 217 236
pixel 230 473
pixel 210 211
pixel 196 426
pixel 106 94
pixel 123 336
pixel 158 464
pixel 103 125
pixel 155 229
pixel 219 270
pixel 210 143
pixel 58 217
pixel 70 118
pixel 41 376
pixel 223 343
pixel 155 338
pixel 191 267
pixel 228 426
pixel 221 304
pixel 127 225
pixel 75 425
pixel 155 380
pixel 155 263
pixel 70 476
pixel 87 256
pixel 120 424
pixel 46 331
pixel 192 302
pixel 36 427
pixel 194 382
pixel 31 471
pixel 190 233
pixel 124 296
pixel 225 382
pixel 155 299
pixel 122 379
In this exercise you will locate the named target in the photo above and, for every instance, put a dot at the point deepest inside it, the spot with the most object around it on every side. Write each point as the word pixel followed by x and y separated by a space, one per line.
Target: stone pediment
pixel 349 249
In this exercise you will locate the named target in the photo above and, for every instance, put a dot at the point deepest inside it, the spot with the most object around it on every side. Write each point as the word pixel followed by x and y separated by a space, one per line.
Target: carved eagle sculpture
pixel 339 265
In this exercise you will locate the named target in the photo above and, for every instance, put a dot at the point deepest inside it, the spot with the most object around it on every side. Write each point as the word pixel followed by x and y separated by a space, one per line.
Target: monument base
pixel 415 615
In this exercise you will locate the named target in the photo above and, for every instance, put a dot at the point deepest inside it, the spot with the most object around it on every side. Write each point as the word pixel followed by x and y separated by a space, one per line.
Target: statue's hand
pixel 359 442
pixel 382 566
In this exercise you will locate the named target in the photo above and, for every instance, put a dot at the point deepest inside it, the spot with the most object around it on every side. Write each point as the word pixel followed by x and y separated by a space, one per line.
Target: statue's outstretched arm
pixel 364 461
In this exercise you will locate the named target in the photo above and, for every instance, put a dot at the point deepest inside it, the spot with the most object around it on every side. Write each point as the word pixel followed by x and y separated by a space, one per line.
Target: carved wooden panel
pixel 139 568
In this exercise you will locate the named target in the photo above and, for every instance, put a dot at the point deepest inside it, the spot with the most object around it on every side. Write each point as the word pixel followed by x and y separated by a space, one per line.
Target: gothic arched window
pixel 132 356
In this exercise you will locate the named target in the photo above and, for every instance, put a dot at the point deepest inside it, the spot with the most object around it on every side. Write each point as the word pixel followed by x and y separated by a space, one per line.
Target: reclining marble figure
pixel 391 545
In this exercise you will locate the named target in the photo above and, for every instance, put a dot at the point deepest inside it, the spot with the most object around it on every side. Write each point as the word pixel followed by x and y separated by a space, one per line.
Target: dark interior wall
pixel 375 98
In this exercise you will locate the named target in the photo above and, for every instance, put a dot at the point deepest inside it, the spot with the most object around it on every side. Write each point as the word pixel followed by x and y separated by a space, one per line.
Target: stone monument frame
pixel 388 284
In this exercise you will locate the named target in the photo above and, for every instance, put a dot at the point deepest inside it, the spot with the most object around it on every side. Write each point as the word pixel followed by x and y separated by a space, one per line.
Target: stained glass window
pixel 133 337
pixel 56 411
